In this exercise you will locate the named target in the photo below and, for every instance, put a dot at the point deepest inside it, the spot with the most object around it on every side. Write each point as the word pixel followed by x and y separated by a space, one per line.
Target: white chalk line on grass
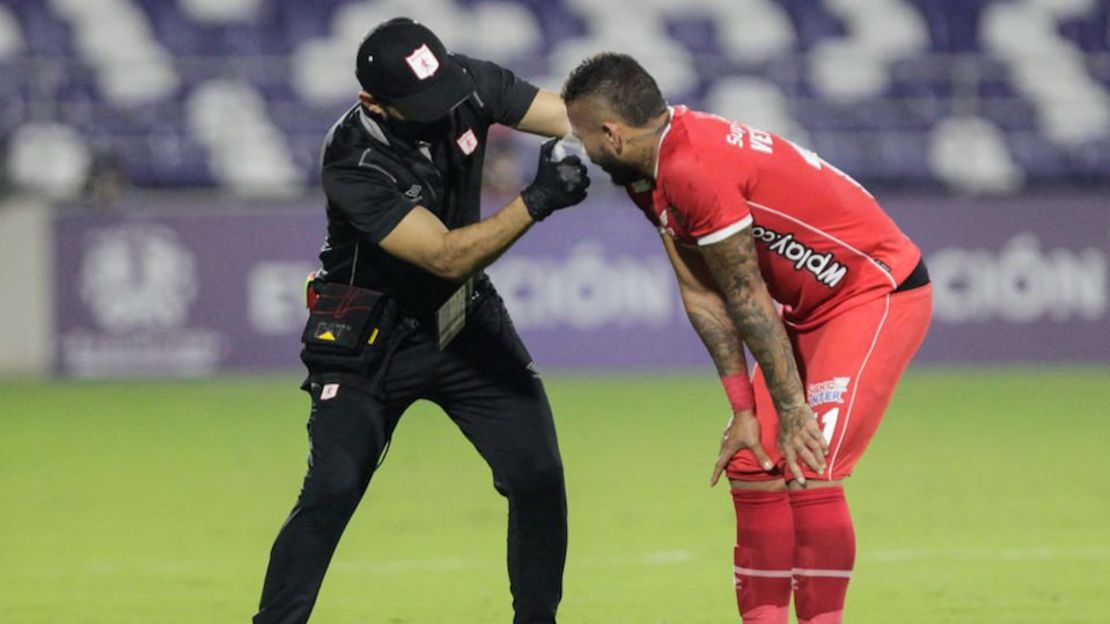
pixel 679 557
pixel 986 554
pixel 662 558
pixel 659 558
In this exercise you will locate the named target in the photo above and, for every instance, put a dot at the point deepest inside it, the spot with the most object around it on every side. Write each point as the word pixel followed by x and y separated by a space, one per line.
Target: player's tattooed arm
pixel 705 307
pixel 735 269
pixel 720 338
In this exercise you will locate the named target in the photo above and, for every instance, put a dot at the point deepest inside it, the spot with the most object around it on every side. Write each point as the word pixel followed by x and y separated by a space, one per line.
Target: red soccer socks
pixel 764 555
pixel 824 554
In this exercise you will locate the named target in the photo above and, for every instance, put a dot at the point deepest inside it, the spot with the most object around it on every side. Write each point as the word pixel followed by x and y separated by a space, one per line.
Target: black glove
pixel 557 184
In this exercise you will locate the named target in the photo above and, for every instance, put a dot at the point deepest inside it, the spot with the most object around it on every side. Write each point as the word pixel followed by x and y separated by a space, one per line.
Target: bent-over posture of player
pixel 748 219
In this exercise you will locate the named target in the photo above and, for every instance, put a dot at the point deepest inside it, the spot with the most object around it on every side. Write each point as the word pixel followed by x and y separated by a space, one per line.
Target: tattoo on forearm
pixel 736 270
pixel 721 339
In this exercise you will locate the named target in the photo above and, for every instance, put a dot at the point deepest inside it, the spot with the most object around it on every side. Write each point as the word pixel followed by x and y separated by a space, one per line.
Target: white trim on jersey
pixel 658 148
pixel 834 239
pixel 725 232
pixel 858 382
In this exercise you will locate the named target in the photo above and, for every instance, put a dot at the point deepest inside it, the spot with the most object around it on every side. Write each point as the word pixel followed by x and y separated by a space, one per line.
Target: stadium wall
pixel 182 291
pixel 26 278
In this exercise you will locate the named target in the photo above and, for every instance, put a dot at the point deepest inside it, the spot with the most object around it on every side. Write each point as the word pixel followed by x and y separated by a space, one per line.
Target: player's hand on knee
pixel 800 437
pixel 741 432
pixel 558 184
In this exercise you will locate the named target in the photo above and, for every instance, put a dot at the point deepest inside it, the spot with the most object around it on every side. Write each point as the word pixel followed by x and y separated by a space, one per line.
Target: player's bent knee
pixel 534 478
pixel 761 485
pixel 337 489
pixel 812 483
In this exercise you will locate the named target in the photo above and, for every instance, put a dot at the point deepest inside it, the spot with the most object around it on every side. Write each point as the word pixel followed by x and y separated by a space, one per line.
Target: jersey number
pixel 827 421
pixel 819 163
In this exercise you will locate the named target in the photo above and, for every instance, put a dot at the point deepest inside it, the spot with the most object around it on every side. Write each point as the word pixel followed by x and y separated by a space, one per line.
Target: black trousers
pixel 485 382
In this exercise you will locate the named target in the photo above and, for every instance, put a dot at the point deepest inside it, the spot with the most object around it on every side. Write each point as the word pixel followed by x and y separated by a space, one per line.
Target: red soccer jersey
pixel 824 244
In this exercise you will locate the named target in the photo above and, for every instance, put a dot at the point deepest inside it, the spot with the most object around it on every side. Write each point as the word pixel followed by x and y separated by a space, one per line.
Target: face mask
pixel 415 132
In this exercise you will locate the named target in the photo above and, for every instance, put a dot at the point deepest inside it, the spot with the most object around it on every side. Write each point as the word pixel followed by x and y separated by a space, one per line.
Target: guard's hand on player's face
pixel 558 184
pixel 741 432
pixel 799 436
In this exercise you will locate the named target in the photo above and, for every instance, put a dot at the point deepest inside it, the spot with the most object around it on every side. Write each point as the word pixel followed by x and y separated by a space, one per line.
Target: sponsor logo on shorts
pixel 831 391
pixel 826 270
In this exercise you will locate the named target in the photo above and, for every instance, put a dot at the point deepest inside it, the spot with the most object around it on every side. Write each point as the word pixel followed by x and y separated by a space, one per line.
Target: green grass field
pixel 981 500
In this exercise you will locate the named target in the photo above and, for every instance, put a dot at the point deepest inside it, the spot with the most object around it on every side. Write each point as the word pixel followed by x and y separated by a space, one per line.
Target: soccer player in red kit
pixel 748 220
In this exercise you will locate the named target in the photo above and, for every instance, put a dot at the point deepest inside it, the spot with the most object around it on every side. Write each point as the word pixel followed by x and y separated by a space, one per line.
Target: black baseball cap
pixel 402 63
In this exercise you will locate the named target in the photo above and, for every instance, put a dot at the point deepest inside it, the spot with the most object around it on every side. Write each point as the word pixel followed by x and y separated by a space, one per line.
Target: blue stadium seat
pixel 879 138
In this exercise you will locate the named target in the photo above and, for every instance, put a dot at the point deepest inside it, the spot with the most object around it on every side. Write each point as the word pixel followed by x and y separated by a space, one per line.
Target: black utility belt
pixel 916 279
pixel 346 319
pixel 476 290
pixel 342 319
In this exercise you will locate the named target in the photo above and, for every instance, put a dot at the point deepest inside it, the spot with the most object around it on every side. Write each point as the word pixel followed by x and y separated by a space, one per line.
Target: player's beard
pixel 621 173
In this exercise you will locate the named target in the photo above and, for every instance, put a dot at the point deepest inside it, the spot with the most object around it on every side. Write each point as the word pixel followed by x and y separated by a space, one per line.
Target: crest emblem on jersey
pixel 831 391
pixel 423 62
pixel 467 142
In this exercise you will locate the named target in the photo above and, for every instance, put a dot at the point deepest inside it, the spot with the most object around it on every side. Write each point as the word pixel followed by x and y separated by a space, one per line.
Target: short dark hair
pixel 619 81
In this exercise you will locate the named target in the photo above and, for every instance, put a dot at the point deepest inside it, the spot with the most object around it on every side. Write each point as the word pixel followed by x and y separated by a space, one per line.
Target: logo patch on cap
pixel 467 142
pixel 423 63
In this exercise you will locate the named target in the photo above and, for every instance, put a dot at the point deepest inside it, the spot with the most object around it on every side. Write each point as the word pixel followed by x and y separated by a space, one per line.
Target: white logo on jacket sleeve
pixel 329 391
pixel 467 142
pixel 423 63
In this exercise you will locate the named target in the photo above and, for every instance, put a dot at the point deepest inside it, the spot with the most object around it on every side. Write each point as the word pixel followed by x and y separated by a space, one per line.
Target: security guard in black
pixel 402 175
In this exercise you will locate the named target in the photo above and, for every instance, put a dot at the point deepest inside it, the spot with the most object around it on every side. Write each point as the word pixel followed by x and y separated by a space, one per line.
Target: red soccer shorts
pixel 849 367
